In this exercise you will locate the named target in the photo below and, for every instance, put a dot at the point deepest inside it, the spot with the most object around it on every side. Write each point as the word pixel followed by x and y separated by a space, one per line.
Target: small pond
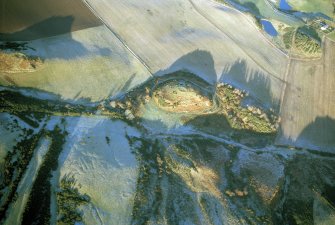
pixel 283 5
pixel 269 28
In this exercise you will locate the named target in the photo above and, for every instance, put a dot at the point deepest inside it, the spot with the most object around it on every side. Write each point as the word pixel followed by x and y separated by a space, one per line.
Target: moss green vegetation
pixel 326 7
pixel 310 32
pixel 15 164
pixel 148 191
pixel 332 36
pixel 68 200
pixel 37 209
pixel 307 40
pixel 14 102
pixel 288 36
pixel 20 105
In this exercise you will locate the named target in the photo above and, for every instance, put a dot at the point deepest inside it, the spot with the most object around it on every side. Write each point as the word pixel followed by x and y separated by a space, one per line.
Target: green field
pixel 324 6
pixel 332 36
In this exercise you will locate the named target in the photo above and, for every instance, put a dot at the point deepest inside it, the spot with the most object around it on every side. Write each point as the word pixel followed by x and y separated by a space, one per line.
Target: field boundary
pixel 220 30
pixel 118 37
pixel 253 24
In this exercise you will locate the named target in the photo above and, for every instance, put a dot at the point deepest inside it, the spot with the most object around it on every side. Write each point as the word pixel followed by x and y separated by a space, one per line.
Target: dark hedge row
pixel 37 210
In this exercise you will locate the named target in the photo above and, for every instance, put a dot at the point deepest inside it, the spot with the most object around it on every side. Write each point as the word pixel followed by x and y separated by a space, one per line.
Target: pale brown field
pixel 308 108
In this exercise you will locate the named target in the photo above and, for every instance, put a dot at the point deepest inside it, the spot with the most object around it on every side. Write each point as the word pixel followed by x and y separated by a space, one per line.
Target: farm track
pixel 227 141
pixel 119 37
pixel 253 24
pixel 232 39
pixel 309 98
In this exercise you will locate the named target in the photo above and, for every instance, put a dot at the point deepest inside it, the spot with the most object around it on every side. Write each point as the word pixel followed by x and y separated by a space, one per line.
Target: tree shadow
pixel 256 83
pixel 261 86
pixel 152 185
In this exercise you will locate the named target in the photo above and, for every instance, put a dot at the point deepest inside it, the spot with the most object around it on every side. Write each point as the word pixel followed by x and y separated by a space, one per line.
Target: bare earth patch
pixel 182 96
pixel 18 62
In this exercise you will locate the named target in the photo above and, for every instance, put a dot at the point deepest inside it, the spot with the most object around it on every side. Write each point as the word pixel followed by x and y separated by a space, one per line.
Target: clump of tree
pixel 37 210
pixel 15 164
pixel 69 199
pixel 20 105
pixel 307 40
pixel 303 39
pixel 244 118
pixel 16 103
pixel 288 37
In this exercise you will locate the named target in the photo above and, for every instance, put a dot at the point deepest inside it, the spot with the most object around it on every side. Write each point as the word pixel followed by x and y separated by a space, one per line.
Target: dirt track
pixel 308 108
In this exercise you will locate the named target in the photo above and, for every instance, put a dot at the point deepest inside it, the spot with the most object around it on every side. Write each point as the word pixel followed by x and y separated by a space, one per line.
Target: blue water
pixel 269 28
pixel 284 5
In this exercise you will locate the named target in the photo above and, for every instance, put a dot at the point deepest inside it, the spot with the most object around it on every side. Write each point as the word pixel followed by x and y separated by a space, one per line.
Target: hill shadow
pixel 52 26
pixel 257 84
pixel 16 15
pixel 66 48
pixel 199 62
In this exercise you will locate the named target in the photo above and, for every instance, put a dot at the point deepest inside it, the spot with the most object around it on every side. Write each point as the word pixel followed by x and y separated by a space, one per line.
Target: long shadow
pixel 318 135
pixel 67 48
pixel 199 62
pixel 154 178
pixel 17 15
pixel 256 83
